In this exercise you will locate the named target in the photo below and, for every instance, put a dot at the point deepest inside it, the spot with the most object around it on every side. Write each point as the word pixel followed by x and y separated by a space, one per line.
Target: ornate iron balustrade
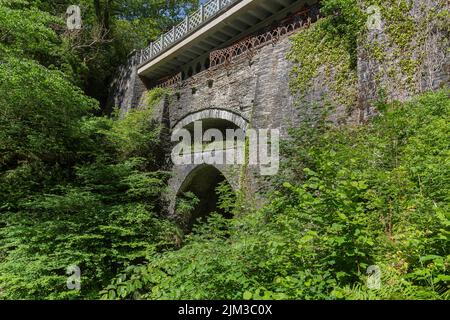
pixel 249 45
pixel 192 22
pixel 252 43
pixel 169 81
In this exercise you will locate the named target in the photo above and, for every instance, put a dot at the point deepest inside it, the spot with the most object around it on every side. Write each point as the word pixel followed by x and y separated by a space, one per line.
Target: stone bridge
pixel 226 67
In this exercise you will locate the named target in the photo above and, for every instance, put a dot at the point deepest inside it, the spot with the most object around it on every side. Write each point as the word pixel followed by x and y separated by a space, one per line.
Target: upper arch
pixel 235 118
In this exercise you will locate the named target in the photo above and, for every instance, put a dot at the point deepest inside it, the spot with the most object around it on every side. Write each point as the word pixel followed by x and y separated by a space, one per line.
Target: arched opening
pixel 202 183
pixel 227 126
pixel 212 123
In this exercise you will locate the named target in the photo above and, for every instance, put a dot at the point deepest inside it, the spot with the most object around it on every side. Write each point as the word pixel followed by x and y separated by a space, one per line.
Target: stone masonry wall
pixel 256 89
pixel 396 64
pixel 127 88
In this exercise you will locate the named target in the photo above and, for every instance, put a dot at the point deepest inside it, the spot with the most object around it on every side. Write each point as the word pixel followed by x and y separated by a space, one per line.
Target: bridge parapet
pixel 191 23
pixel 186 49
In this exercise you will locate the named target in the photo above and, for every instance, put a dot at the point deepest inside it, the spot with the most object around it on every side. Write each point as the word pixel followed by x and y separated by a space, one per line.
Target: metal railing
pixel 191 23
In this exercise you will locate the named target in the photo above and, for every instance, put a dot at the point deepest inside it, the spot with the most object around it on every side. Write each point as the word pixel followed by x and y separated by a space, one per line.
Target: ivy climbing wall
pixel 406 54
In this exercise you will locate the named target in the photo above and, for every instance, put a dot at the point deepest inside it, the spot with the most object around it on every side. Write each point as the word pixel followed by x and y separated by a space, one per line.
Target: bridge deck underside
pixel 221 32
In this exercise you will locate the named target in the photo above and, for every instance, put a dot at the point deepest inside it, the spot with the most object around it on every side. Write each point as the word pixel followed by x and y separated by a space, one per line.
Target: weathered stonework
pixel 127 88
pixel 255 89
pixel 250 92
pixel 381 60
pixel 253 92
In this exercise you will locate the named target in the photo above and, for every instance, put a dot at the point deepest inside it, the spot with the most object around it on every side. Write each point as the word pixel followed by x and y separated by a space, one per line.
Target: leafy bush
pixel 368 195
pixel 75 189
pixel 105 218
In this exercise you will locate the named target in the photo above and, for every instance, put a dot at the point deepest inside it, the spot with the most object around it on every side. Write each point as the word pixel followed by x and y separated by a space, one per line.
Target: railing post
pixel 220 5
pixel 162 41
pixel 151 49
pixel 173 32
pixel 202 12
pixel 188 20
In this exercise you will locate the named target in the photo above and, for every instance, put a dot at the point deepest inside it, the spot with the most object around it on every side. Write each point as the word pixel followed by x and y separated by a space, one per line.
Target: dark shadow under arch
pixel 202 182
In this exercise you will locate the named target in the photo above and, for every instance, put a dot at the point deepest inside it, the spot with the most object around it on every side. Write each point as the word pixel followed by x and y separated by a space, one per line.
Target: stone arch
pixel 183 174
pixel 188 172
pixel 202 180
pixel 238 120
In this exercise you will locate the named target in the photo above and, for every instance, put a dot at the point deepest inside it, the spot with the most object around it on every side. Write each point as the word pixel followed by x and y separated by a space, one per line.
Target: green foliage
pixel 114 28
pixel 144 20
pixel 318 55
pixel 28 33
pixel 227 201
pixel 136 135
pixel 156 94
pixel 75 189
pixel 39 126
pixel 370 195
pixel 404 48
pixel 184 207
pixel 408 48
pixel 327 52
pixel 104 219
pixel 344 19
pixel 48 109
pixel 111 29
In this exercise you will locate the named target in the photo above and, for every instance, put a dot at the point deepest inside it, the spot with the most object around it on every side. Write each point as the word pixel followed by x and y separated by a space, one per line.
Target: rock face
pixel 127 88
pixel 253 92
pixel 406 54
